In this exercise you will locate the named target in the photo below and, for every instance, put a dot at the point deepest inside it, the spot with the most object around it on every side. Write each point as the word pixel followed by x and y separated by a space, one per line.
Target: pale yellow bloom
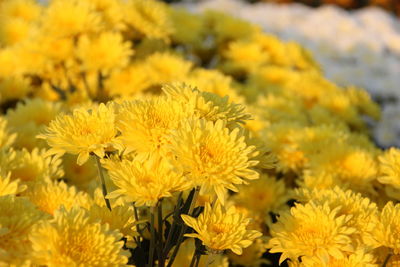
pixel 213 157
pixel 221 229
pixel 83 132
pixel 70 239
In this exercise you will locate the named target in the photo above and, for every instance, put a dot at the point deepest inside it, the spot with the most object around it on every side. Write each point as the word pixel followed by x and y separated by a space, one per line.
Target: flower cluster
pixel 135 133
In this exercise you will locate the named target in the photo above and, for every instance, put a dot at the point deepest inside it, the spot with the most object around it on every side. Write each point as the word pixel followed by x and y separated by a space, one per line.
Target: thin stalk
pixel 160 235
pixel 103 183
pixel 153 237
pixel 173 226
pixel 194 258
pixel 198 260
pixel 386 260
pixel 137 225
pixel 209 259
pixel 184 228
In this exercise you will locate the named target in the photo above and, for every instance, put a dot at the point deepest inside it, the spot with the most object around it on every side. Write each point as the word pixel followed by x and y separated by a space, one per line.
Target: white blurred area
pixel 359 48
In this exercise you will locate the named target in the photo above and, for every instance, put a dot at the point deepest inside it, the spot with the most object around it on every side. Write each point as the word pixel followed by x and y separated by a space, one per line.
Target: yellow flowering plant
pixel 215 144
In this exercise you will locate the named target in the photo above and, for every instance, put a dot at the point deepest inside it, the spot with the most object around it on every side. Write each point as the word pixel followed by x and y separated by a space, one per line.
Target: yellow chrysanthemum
pixel 364 212
pixel 67 18
pixel 166 68
pixel 389 170
pixel 49 196
pixel 14 88
pixel 14 30
pixel 311 230
pixel 28 10
pixel 9 187
pixel 120 218
pixel 6 137
pixel 29 118
pixel 387 230
pixel 207 105
pixel 146 124
pixel 359 258
pixel 262 196
pixel 144 182
pixel 213 157
pixel 185 254
pixel 104 52
pixel 83 132
pixel 17 217
pixel 252 255
pixel 30 166
pixel 79 175
pixel 148 18
pixel 71 240
pixel 221 229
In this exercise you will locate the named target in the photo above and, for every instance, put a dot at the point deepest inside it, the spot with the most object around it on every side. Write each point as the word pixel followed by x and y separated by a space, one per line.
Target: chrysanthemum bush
pixel 134 133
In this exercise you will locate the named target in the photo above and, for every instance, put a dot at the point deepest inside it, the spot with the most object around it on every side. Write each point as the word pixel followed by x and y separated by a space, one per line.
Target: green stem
pixel 173 226
pixel 103 183
pixel 138 242
pixel 160 235
pixel 194 258
pixel 386 260
pixel 184 228
pixel 153 238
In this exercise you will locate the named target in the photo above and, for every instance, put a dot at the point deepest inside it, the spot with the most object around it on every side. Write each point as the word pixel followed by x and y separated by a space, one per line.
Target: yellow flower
pixel 359 258
pixel 144 182
pixel 207 105
pixel 79 175
pixel 389 169
pixel 252 255
pixel 28 10
pixel 30 166
pixel 221 229
pixel 17 218
pixel 6 137
pixel 148 18
pixel 29 118
pixel 68 18
pixel 14 30
pixel 364 212
pixel 213 157
pixel 311 230
pixel 83 132
pixel 71 240
pixel 120 218
pixel 14 88
pixel 104 52
pixel 145 124
pixel 9 187
pixel 387 231
pixel 262 196
pixel 49 196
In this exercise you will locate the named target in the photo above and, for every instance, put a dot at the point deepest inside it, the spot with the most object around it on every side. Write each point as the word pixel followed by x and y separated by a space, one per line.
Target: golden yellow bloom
pixel 146 124
pixel 389 170
pixel 68 18
pixel 49 196
pixel 221 229
pixel 363 211
pixel 83 132
pixel 213 157
pixel 14 87
pixel 9 187
pixel 387 231
pixel 6 137
pixel 144 182
pixel 14 30
pixel 120 218
pixel 104 52
pixel 30 166
pixel 79 175
pixel 262 196
pixel 148 18
pixel 311 230
pixel 89 244
pixel 17 217
pixel 207 105
pixel 28 10
pixel 29 118
pixel 359 258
